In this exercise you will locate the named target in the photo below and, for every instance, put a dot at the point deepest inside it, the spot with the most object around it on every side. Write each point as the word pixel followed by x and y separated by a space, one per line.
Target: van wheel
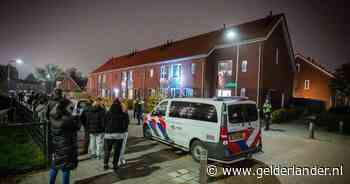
pixel 196 149
pixel 147 133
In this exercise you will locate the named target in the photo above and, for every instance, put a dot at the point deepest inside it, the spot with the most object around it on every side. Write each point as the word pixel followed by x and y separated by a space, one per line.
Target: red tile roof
pixel 192 46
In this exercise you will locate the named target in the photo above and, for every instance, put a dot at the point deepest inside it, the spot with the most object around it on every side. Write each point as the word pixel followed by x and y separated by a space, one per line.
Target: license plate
pixel 235 136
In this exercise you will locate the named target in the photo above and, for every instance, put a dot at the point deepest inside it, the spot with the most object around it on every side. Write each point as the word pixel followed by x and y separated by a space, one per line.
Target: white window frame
pixel 99 79
pixel 224 93
pixel 244 66
pixel 164 72
pixel 179 66
pixel 151 72
pixel 124 76
pixel 243 92
pixel 130 77
pixel 298 67
pixel 307 84
pixel 193 68
pixel 104 78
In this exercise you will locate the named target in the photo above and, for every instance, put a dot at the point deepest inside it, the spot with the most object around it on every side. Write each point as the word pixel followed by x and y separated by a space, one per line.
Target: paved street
pixel 152 162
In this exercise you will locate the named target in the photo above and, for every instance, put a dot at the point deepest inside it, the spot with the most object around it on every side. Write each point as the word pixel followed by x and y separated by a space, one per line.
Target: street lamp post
pixel 16 61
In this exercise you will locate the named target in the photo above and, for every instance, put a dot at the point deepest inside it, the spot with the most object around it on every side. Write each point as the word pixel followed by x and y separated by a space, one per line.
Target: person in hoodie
pixel 93 118
pixel 40 109
pixel 116 124
pixel 64 148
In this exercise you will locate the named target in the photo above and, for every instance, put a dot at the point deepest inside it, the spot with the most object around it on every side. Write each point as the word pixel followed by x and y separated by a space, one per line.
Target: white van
pixel 228 128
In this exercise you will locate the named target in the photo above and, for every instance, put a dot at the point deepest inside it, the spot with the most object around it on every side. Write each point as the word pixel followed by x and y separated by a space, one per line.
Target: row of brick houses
pixel 257 56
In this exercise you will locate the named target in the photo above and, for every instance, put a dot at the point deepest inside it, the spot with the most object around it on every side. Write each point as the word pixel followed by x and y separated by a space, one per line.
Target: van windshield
pixel 240 113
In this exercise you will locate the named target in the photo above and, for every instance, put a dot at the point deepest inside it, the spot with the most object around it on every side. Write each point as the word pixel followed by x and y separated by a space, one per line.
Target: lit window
pixel 151 72
pixel 242 91
pixel 244 65
pixel 193 68
pixel 124 76
pixel 224 73
pixel 307 84
pixel 175 92
pixel 99 79
pixel 224 92
pixel 164 72
pixel 276 56
pixel 176 71
pixel 130 94
pixel 188 92
pixel 298 67
pixel 104 78
pixel 130 76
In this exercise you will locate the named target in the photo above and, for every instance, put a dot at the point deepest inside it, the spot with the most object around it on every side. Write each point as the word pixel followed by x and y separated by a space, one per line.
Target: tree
pixel 77 76
pixel 341 83
pixel 31 78
pixel 50 74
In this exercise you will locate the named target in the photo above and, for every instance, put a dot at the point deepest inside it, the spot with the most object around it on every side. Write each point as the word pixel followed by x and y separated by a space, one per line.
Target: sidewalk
pixel 150 162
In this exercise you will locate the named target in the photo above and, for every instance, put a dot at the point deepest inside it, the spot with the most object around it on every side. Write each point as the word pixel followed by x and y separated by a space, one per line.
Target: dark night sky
pixel 86 33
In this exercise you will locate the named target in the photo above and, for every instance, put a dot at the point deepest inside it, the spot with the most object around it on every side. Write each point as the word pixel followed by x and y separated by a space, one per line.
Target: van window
pixel 251 112
pixel 235 114
pixel 195 111
pixel 242 113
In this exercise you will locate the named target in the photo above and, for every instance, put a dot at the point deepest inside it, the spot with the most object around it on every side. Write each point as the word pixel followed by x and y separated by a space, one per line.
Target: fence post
pixel 203 167
pixel 311 130
pixel 341 127
pixel 47 142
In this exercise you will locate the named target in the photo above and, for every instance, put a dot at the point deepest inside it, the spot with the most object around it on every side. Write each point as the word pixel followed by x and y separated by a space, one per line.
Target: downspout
pixel 202 91
pixel 258 82
pixel 237 63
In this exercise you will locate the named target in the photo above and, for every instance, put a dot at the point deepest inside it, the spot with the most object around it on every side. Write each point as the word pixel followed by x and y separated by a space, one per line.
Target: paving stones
pixel 184 176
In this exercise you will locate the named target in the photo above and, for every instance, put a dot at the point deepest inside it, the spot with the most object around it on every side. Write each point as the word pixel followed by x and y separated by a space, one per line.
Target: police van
pixel 228 128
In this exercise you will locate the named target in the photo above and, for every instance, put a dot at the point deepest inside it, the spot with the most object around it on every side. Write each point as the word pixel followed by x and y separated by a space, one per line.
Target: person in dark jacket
pixel 116 124
pixel 64 148
pixel 138 109
pixel 93 118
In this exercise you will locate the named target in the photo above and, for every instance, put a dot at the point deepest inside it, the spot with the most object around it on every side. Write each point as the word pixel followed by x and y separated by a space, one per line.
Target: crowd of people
pixel 107 129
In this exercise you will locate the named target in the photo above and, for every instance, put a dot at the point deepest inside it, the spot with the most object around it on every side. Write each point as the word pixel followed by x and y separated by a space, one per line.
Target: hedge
pixel 284 114
pixel 333 116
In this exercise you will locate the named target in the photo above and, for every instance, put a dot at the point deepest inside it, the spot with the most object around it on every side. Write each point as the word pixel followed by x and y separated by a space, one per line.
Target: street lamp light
pixel 231 34
pixel 15 61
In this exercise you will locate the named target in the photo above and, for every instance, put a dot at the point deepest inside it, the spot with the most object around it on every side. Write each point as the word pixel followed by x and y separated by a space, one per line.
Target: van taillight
pixel 224 135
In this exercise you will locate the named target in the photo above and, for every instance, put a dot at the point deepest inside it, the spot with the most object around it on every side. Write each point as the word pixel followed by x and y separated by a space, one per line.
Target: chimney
pixel 270 14
pixel 224 26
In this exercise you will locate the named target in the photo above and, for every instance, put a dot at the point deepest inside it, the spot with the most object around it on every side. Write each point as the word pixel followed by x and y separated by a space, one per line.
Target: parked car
pixel 228 128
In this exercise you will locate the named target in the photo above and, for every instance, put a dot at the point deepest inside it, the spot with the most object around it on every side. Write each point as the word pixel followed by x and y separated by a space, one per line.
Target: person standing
pixel 93 118
pixel 267 110
pixel 40 109
pixel 63 147
pixel 139 110
pixel 116 124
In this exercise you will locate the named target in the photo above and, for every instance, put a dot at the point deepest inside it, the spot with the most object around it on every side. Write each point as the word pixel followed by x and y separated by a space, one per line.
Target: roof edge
pixel 315 65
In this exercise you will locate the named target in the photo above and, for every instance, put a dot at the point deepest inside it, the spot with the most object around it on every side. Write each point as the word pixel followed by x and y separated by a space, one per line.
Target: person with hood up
pixel 64 148
pixel 116 125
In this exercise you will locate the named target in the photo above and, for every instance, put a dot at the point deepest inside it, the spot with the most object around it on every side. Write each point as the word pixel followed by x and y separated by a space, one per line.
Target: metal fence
pixel 23 117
